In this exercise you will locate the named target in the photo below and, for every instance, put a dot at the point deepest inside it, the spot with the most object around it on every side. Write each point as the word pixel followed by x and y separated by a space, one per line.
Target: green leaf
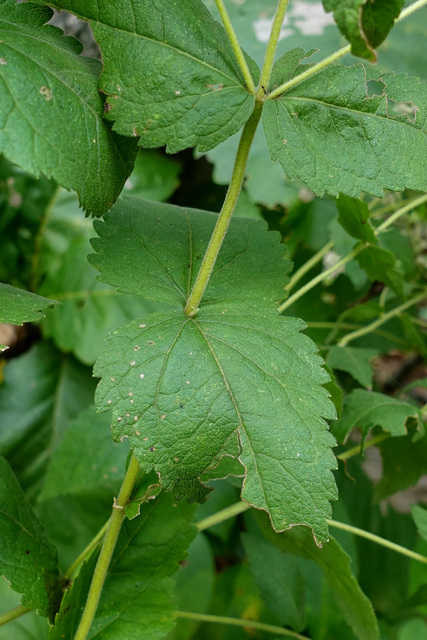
pixel 27 557
pixel 231 381
pixel 279 580
pixel 365 23
pixel 138 591
pixel 18 306
pixel 420 518
pixel 355 360
pixel 353 215
pixel 179 91
pixel 44 83
pixel 380 264
pixel 335 565
pixel 89 309
pixel 86 458
pixel 367 136
pixel 42 392
pixel 367 409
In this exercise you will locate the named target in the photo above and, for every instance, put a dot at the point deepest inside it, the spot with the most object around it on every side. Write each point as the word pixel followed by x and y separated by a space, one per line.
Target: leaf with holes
pixel 187 391
pixel 365 23
pixel 170 73
pixel 331 133
pixel 27 557
pixel 44 82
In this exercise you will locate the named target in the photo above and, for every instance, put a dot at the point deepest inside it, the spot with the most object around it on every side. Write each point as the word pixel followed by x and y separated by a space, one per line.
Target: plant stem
pixel 34 277
pixel 223 221
pixel 87 551
pixel 413 204
pixel 321 276
pixel 348 325
pixel 12 614
pixel 240 622
pixel 374 538
pixel 309 265
pixel 271 49
pixel 107 550
pixel 315 68
pixel 224 514
pixel 354 451
pixel 236 46
pixel 381 320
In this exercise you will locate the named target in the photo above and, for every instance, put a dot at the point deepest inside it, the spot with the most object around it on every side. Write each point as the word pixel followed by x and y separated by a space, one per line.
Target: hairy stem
pixel 12 614
pixel 381 541
pixel 240 622
pixel 107 550
pixel 236 46
pixel 224 514
pixel 381 320
pixel 315 68
pixel 223 221
pixel 309 265
pixel 271 49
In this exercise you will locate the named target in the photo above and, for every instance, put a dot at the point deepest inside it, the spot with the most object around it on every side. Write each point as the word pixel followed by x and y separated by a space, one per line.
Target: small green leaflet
pixel 27 557
pixel 164 85
pixel 18 306
pixel 353 216
pixel 44 84
pixel 355 360
pixel 380 264
pixel 365 23
pixel 329 132
pixel 367 409
pixel 419 516
pixel 137 597
pixel 236 380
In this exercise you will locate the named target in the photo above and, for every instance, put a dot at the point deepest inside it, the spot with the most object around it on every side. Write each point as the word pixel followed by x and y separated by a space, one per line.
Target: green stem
pixel 224 514
pixel 107 550
pixel 381 320
pixel 350 326
pixel 34 277
pixel 240 622
pixel 413 204
pixel 333 57
pixel 87 551
pixel 309 265
pixel 236 46
pixel 320 277
pixel 382 541
pixel 354 451
pixel 14 613
pixel 223 221
pixel 271 49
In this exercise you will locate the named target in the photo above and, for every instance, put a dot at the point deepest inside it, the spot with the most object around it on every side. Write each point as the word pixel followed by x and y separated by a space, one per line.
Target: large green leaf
pixel 178 91
pixel 42 392
pixel 365 23
pixel 335 565
pixel 329 132
pixel 233 380
pixel 27 557
pixel 18 306
pixel 137 597
pixel 44 83
pixel 367 409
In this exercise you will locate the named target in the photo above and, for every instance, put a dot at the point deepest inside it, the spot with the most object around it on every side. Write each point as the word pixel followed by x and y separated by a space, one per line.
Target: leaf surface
pixel 228 382
pixel 27 557
pixel 380 264
pixel 18 306
pixel 44 83
pixel 367 409
pixel 335 565
pixel 355 360
pixel 365 23
pixel 353 215
pixel 147 554
pixel 419 516
pixel 329 132
pixel 170 73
